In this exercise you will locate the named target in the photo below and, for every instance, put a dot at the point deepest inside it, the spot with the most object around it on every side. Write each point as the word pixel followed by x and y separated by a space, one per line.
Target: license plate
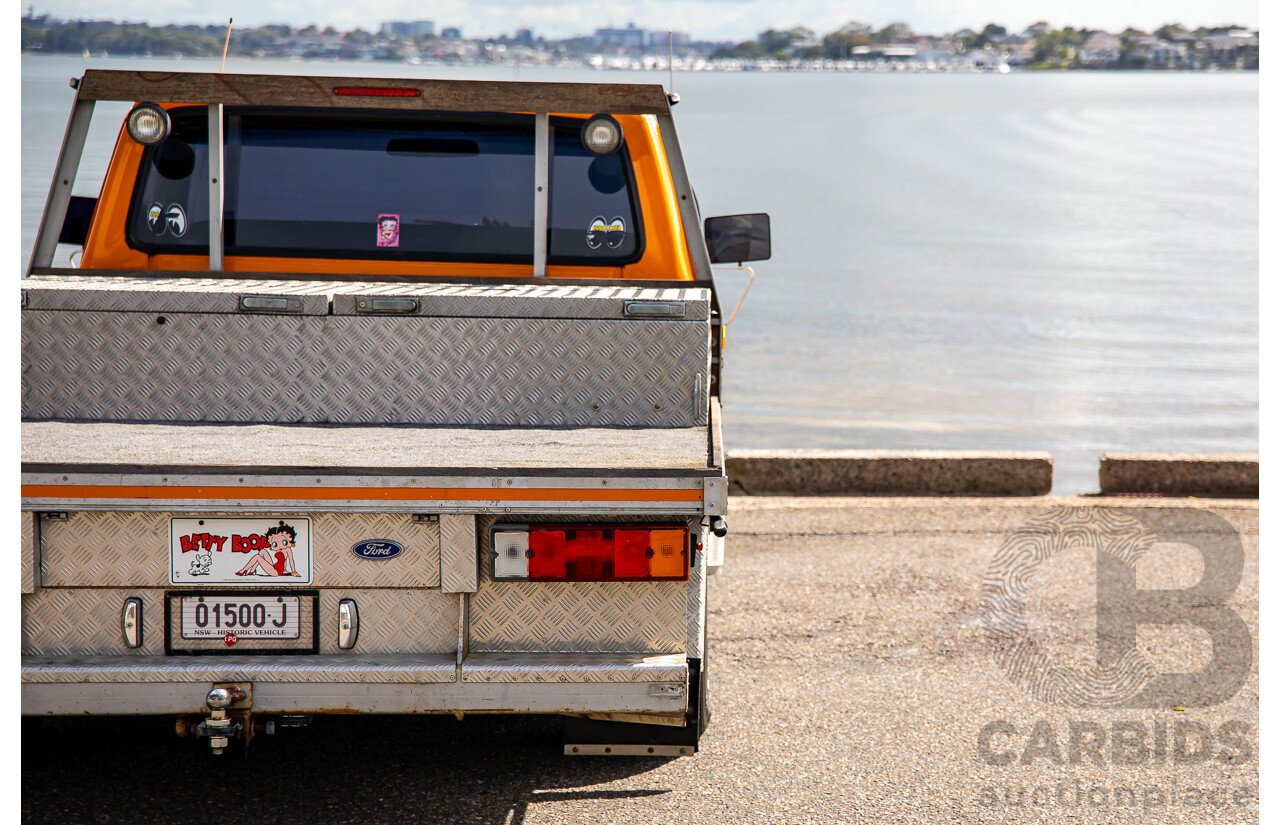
pixel 242 616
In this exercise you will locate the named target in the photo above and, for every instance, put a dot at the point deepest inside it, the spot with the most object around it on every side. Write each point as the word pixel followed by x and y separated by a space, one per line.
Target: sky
pixel 718 20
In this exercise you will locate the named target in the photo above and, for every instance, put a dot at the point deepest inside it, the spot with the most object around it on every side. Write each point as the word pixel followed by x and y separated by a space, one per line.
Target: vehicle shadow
pixel 402 769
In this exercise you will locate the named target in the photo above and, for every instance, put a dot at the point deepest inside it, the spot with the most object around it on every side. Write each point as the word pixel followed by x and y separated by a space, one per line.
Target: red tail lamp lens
pixel 603 553
pixel 547 560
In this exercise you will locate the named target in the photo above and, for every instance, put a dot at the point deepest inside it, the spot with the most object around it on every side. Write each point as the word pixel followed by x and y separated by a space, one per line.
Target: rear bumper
pixel 483 683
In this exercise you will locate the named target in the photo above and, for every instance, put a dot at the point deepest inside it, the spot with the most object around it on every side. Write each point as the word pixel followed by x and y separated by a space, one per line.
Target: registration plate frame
pixel 307 643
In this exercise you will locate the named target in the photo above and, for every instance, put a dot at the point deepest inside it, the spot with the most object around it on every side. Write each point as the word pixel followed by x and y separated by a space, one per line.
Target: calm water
pixel 1060 262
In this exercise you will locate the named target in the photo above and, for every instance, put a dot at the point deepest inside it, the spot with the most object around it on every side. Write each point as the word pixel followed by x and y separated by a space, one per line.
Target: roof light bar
pixel 375 91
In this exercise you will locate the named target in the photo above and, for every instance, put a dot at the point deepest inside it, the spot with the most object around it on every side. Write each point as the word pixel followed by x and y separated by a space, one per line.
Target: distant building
pixel 451 33
pixel 416 28
pixel 658 39
pixel 523 36
pixel 1100 49
pixel 1017 49
pixel 1237 49
pixel 628 38
pixel 1156 53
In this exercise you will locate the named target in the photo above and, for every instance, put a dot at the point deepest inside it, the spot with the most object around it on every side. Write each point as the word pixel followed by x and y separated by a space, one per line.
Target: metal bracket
pixel 672 689
pixel 715 496
pixel 217 165
pixel 541 181
pixel 628 750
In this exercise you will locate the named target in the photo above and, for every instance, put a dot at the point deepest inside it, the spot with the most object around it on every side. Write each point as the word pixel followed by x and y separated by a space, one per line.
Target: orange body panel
pixel 665 252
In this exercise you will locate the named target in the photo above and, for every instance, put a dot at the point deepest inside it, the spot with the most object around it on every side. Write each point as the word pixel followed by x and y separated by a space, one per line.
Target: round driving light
pixel 148 123
pixel 601 135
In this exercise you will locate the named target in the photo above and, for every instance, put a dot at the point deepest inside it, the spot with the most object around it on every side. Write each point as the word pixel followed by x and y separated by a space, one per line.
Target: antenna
pixel 225 44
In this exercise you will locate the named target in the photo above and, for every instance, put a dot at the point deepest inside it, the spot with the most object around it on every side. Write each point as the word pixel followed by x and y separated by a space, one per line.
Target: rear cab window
pixel 385 186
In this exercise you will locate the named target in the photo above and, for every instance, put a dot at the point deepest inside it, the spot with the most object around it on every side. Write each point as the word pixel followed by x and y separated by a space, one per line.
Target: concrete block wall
pixel 961 473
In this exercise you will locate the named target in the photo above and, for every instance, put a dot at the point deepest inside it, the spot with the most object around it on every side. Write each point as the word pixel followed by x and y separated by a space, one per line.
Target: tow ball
pixel 219 728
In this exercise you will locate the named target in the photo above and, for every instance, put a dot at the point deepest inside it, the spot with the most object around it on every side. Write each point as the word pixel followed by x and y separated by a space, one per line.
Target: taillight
pixel 588 553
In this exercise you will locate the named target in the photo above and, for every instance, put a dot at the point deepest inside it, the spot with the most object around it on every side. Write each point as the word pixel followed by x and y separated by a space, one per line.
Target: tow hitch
pixel 220 728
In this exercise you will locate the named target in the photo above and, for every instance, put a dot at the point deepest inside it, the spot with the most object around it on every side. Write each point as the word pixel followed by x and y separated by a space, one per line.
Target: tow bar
pixel 219 728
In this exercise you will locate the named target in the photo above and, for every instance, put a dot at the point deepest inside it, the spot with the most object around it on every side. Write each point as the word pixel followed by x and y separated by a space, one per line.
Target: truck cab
pixel 376 396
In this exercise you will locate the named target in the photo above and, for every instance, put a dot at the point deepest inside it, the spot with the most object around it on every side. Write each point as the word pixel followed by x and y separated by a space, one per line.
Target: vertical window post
pixel 217 159
pixel 55 206
pixel 541 178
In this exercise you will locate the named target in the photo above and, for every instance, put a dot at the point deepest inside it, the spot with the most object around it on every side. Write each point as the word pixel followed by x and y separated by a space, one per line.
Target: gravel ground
pixel 851 681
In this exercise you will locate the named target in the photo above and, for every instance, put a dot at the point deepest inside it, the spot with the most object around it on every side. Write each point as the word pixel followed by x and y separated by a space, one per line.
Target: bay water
pixel 1064 262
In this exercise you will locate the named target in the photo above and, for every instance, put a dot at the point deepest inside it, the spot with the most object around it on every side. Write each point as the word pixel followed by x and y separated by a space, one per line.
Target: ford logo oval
pixel 378 549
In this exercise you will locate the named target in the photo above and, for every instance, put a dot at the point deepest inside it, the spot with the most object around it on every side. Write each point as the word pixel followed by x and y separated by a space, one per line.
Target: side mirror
pixel 737 238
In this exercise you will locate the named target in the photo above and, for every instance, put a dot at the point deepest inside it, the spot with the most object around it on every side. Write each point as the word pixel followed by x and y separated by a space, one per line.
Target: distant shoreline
pixel 883 66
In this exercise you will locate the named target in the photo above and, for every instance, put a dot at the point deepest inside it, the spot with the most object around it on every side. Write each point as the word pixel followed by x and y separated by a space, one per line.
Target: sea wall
pixel 964 473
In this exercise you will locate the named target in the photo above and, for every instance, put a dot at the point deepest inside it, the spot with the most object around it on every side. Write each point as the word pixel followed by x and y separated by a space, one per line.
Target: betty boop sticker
pixel 258 549
pixel 388 230
pixel 276 559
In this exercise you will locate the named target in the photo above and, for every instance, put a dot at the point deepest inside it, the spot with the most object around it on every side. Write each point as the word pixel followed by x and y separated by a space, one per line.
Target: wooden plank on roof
pixel 431 95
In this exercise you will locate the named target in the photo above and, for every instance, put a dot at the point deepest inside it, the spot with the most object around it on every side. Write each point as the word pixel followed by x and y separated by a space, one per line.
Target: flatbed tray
pixel 412 450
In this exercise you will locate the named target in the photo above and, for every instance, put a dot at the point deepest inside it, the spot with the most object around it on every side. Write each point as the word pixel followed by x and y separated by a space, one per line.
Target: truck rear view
pixel 375 396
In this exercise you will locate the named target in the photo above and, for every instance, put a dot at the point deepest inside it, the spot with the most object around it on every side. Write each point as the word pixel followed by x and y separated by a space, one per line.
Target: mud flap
pixel 598 737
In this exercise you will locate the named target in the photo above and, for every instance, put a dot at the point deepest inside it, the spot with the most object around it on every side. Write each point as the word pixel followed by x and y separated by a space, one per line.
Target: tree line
pixel 1051 45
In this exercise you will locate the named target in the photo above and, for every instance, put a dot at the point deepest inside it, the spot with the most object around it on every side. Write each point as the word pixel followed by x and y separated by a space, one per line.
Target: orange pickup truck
pixel 375 396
